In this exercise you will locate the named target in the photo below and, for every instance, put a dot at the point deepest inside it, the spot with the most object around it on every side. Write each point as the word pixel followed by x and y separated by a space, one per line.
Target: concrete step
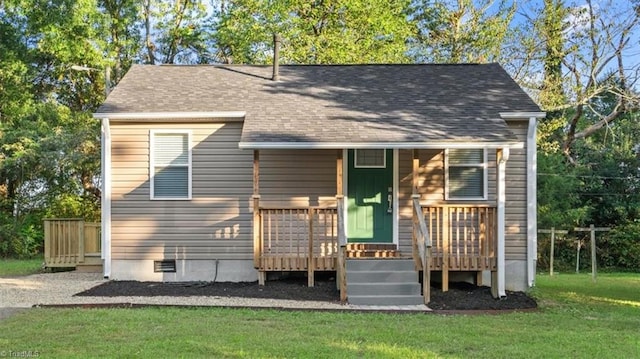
pixel 391 264
pixel 391 281
pixel 383 276
pixel 386 300
pixel 383 289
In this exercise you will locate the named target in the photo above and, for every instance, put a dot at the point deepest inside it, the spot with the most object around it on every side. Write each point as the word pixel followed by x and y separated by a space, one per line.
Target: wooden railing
pixel 422 247
pixel 463 238
pixel 68 242
pixel 296 238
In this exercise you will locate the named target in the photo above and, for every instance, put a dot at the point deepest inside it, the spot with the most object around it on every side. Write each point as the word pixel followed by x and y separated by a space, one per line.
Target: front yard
pixel 577 319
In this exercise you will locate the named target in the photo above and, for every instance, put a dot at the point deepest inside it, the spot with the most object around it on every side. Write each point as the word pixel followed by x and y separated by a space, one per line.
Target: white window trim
pixel 384 158
pixel 152 171
pixel 485 170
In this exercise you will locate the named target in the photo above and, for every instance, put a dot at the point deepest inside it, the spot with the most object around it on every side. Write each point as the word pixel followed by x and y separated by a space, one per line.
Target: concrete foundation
pixel 515 278
pixel 186 271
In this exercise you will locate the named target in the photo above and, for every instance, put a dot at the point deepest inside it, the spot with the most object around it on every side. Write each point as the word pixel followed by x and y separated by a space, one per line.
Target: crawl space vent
pixel 164 266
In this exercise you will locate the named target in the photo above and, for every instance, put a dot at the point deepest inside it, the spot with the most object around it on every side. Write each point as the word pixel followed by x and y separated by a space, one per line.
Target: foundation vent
pixel 164 266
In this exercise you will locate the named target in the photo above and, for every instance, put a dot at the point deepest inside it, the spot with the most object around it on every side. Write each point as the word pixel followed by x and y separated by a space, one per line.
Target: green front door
pixel 370 196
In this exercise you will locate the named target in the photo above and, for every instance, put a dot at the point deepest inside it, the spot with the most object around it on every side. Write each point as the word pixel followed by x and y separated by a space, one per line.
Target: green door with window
pixel 370 196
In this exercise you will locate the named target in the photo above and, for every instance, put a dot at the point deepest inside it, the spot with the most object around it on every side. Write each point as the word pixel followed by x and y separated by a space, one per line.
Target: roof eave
pixel 168 115
pixel 381 145
pixel 522 115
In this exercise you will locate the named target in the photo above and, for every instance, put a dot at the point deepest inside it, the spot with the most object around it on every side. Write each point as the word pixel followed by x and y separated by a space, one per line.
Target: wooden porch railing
pixel 463 237
pixel 297 239
pixel 69 242
pixel 422 248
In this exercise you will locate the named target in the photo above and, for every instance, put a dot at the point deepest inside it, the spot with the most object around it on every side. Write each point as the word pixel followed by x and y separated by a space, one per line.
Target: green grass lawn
pixel 578 319
pixel 13 267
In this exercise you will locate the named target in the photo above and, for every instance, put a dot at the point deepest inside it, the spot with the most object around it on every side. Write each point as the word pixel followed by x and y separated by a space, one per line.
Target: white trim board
pixel 105 202
pixel 375 145
pixel 522 115
pixel 532 232
pixel 168 115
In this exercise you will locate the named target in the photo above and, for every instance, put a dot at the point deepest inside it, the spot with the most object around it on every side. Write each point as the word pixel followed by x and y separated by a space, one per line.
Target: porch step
pixel 372 254
pixel 372 250
pixel 383 282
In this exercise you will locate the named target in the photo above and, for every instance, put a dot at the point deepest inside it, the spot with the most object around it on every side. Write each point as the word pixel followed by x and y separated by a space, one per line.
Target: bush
pixel 22 238
pixel 620 249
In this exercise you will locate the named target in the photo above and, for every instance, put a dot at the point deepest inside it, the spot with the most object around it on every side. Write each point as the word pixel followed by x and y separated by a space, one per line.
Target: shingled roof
pixel 334 105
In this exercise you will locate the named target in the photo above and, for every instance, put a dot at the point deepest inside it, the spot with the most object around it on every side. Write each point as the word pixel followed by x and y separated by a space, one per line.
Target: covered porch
pixel 437 235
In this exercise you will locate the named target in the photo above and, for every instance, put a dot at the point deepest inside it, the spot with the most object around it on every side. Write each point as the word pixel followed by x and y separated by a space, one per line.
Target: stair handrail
pixel 424 248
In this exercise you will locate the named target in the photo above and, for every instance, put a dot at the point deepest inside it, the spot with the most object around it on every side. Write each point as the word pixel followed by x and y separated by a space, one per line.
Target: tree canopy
pixel 578 61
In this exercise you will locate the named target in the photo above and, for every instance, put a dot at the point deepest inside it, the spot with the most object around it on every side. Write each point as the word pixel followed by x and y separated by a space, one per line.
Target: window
pixel 170 164
pixel 373 158
pixel 466 174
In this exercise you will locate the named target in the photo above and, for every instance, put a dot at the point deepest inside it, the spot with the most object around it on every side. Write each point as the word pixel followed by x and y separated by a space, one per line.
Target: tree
pixel 460 31
pixel 49 144
pixel 582 49
pixel 175 31
pixel 313 32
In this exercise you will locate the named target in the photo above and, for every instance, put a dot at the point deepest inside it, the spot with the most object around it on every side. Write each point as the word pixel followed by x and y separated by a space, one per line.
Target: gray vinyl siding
pixel 516 196
pixel 298 178
pixel 431 188
pixel 214 224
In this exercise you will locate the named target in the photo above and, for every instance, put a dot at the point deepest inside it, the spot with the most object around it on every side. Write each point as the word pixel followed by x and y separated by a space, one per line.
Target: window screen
pixel 466 173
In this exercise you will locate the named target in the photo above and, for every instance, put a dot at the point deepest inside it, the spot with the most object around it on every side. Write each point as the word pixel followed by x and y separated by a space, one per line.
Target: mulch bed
pixel 461 296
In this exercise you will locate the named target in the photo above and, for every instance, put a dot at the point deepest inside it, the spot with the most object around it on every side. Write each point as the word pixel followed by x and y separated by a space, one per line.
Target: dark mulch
pixel 461 296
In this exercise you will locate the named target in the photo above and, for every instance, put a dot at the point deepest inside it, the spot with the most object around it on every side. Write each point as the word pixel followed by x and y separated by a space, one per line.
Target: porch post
pixel 498 281
pixel 341 272
pixel 257 230
pixel 414 193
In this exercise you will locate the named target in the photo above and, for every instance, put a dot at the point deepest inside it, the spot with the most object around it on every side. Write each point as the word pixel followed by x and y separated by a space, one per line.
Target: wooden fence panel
pixel 68 240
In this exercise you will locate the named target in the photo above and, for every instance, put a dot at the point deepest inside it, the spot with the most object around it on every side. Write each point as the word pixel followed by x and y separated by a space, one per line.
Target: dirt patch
pixel 461 296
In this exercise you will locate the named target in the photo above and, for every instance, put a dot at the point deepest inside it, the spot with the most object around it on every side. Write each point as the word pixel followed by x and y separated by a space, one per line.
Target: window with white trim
pixel 170 152
pixel 466 174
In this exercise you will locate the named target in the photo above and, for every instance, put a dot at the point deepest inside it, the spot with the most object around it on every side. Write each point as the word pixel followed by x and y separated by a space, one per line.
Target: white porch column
pixel 532 233
pixel 502 156
pixel 105 200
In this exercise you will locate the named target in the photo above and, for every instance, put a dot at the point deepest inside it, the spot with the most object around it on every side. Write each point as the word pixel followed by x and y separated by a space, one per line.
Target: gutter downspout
pixel 532 233
pixel 106 197
pixel 502 158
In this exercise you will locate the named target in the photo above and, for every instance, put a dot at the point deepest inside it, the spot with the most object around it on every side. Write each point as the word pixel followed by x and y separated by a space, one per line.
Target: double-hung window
pixel 466 174
pixel 170 169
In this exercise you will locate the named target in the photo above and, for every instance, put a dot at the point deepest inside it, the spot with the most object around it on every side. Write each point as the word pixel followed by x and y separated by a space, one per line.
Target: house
pixel 228 172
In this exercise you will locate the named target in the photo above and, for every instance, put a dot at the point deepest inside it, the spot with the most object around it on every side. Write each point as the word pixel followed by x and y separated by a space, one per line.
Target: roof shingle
pixel 335 103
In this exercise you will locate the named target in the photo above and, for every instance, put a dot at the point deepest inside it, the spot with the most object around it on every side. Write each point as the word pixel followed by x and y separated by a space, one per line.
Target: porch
pixel 72 242
pixel 463 239
pixel 440 236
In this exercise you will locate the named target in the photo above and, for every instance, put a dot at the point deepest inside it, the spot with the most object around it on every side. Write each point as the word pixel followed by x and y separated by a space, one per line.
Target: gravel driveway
pixel 59 289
